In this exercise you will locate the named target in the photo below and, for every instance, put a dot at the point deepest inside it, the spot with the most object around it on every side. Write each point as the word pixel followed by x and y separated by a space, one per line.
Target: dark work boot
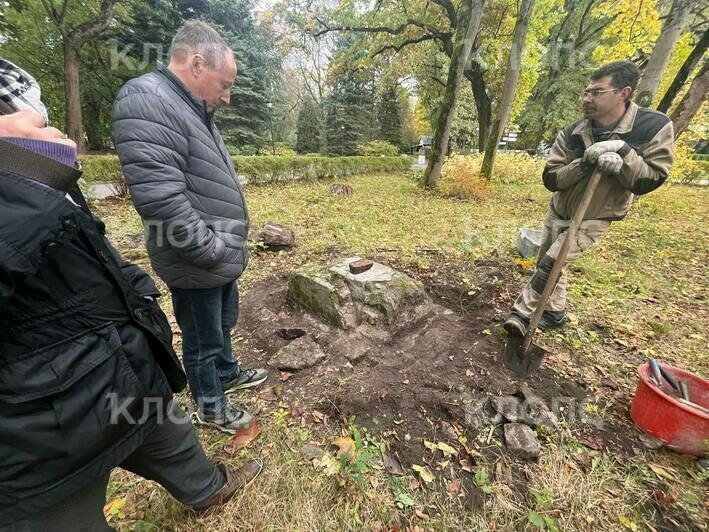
pixel 235 479
pixel 552 320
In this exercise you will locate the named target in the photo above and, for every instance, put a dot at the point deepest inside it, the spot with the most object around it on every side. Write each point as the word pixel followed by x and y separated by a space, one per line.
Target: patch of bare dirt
pixel 432 380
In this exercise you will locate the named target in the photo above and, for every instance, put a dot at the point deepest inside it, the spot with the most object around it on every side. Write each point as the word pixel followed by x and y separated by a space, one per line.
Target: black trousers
pixel 170 455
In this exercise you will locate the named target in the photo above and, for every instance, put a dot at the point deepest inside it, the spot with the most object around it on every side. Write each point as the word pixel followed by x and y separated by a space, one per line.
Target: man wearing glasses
pixel 632 146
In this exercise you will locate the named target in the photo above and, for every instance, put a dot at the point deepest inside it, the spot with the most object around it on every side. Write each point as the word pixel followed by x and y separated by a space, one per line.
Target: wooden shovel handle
pixel 559 263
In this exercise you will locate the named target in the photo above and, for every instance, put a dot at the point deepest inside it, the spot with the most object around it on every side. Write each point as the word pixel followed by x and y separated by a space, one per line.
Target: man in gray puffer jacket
pixel 184 186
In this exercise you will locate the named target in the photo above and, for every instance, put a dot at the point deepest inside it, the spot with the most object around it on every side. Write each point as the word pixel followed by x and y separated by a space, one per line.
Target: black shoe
pixel 516 325
pixel 229 421
pixel 246 378
pixel 552 320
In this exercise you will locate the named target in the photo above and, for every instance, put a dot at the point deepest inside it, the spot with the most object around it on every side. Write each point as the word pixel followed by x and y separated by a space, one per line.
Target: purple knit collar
pixel 61 153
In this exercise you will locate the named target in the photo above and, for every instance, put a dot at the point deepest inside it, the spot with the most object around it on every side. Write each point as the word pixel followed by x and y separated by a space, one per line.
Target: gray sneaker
pixel 229 421
pixel 247 378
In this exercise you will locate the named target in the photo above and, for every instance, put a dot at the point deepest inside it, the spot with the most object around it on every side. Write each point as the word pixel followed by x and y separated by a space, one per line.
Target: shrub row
pixel 267 169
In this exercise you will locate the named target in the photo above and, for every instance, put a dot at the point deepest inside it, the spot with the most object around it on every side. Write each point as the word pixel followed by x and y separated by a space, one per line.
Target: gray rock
pixel 377 296
pixel 311 451
pixel 381 288
pixel 311 289
pixel 508 407
pixel 352 347
pixel 521 440
pixel 275 237
pixel 299 354
pixel 528 242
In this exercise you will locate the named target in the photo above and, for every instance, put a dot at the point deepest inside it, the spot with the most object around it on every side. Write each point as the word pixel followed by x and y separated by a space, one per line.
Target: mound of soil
pixel 433 380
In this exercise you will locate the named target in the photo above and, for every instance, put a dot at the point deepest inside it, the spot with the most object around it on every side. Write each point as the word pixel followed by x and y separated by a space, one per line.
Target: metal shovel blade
pixel 520 363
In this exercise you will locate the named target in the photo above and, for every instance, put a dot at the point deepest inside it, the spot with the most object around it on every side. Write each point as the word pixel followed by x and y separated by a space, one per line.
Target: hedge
pixel 268 169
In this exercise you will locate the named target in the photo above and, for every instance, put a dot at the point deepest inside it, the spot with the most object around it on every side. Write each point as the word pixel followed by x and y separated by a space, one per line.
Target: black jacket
pixel 78 341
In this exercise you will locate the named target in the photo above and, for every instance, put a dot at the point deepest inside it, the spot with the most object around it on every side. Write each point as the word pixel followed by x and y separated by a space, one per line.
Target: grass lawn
pixel 641 293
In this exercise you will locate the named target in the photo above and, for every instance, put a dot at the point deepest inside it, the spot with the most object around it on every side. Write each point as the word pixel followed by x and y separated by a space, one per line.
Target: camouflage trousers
pixel 555 229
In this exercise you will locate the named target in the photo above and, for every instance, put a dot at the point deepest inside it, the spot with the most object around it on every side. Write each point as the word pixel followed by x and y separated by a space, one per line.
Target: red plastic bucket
pixel 680 427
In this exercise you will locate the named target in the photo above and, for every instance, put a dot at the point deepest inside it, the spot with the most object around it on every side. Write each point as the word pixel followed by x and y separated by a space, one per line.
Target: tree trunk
pixel 74 125
pixel 483 104
pixel 685 70
pixel 672 28
pixel 469 15
pixel 508 91
pixel 692 101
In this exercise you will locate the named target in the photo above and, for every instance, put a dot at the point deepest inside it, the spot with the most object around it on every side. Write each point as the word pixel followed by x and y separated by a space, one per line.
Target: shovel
pixel 521 356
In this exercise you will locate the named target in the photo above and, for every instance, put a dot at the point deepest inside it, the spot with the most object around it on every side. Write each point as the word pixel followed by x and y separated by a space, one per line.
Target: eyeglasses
pixel 594 93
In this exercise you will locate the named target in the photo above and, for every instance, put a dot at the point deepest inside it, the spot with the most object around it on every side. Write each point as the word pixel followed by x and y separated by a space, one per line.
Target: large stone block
pixel 379 295
pixel 312 289
pixel 382 288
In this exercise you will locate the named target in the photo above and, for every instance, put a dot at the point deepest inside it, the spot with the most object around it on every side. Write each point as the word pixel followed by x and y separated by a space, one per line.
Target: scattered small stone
pixel 507 406
pixel 290 333
pixel 521 440
pixel 299 354
pixel 650 442
pixel 275 237
pixel 311 451
pixel 360 266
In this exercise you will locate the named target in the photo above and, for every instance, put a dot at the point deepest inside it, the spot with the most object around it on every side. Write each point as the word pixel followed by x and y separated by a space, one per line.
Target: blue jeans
pixel 206 317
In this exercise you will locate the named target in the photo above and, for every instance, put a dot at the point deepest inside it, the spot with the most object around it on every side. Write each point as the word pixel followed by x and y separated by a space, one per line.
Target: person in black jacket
pixel 87 368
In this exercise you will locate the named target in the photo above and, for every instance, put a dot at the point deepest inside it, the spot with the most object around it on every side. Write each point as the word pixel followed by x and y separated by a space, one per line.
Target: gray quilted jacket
pixel 182 182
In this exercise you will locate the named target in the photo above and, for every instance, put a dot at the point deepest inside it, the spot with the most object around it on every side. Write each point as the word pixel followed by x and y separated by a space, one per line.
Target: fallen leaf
pixel 446 449
pixel 453 486
pixel 664 472
pixel 243 437
pixel 345 446
pixel 384 393
pixel 319 417
pixel 328 463
pixel 663 498
pixel 469 373
pixel 405 381
pixel 592 442
pixel 627 523
pixel 421 515
pixel 423 472
pixel 269 394
pixel 114 508
pixel 285 375
pixel 414 484
pixel 278 390
pixel 392 464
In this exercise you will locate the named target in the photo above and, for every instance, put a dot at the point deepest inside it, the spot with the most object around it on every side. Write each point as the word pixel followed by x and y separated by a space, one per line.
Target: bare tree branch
pixel 400 46
pixel 450 11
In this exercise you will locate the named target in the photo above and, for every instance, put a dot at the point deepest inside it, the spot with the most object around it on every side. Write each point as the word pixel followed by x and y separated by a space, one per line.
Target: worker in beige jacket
pixel 632 146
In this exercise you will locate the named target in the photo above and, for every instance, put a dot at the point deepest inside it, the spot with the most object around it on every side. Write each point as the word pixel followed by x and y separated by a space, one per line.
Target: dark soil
pixel 422 382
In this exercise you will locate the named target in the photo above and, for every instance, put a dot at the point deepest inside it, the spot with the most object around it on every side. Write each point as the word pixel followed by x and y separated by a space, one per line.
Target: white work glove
pixel 609 163
pixel 591 155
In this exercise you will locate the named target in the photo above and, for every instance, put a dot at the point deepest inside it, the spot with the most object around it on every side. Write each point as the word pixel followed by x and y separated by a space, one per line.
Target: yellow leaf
pixel 627 523
pixel 526 264
pixel 663 472
pixel 423 472
pixel 328 463
pixel 447 449
pixel 345 446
